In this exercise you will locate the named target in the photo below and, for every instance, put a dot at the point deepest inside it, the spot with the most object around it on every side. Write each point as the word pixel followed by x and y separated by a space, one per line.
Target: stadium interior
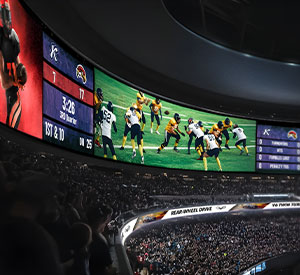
pixel 66 211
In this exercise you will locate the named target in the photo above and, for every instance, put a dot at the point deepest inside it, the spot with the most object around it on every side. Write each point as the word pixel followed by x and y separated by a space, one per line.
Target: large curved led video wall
pixel 68 102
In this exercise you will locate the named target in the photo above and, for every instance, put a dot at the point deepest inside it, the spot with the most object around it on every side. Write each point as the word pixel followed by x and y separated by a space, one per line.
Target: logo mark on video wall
pixel 292 134
pixel 80 73
pixel 53 52
pixel 267 132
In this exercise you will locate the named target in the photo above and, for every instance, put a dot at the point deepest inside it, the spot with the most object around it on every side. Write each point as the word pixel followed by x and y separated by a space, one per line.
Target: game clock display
pixel 278 148
pixel 67 99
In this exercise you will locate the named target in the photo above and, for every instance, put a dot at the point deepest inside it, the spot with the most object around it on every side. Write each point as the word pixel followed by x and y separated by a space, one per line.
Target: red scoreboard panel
pixel 56 78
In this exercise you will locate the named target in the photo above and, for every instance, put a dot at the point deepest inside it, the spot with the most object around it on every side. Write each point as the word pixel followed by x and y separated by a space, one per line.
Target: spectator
pixel 27 249
pixel 80 236
pixel 100 260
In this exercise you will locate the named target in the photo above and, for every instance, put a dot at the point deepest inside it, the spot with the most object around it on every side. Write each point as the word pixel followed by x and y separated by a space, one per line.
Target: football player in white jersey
pixel 127 128
pixel 134 118
pixel 239 133
pixel 213 149
pixel 198 131
pixel 108 119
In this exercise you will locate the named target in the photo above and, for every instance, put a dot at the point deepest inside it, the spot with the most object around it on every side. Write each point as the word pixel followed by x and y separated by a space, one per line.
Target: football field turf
pixel 122 96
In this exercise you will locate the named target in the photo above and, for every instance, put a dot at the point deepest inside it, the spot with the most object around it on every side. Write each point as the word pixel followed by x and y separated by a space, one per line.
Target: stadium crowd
pixel 64 201
pixel 220 245
pixel 135 191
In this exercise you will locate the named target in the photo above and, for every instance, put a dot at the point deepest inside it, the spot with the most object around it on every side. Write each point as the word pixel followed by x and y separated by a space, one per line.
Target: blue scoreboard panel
pixel 278 148
pixel 67 99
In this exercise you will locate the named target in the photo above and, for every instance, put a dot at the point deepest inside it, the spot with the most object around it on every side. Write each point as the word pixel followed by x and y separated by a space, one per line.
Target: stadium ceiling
pixel 235 56
pixel 262 28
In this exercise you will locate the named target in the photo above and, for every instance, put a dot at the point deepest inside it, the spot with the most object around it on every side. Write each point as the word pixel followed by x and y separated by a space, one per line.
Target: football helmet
pixel 227 121
pixel 110 106
pixel 220 124
pixel 99 93
pixel 177 117
pixel 190 120
pixel 200 123
pixel 157 100
pixel 235 126
pixel 6 18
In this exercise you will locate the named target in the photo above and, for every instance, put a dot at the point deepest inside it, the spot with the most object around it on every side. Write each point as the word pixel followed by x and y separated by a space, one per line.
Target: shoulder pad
pixel 16 42
pixel 14 36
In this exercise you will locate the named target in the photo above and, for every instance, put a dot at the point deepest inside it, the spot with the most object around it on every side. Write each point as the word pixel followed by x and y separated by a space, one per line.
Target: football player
pixel 140 100
pixel 108 119
pixel 13 73
pixel 239 133
pixel 212 149
pixel 155 107
pixel 134 118
pixel 217 129
pixel 172 130
pixel 98 99
pixel 127 127
pixel 198 130
pixel 191 136
pixel 227 124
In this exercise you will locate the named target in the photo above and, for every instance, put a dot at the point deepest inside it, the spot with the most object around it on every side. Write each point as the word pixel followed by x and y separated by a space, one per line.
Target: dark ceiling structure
pixel 216 55
pixel 262 28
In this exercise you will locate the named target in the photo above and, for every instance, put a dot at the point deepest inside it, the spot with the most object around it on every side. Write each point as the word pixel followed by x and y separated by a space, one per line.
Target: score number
pixel 88 144
pixel 53 131
pixel 81 91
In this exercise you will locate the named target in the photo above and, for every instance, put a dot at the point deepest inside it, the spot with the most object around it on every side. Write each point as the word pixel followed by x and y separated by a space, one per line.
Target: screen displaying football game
pixel 20 70
pixel 135 127
pixel 50 92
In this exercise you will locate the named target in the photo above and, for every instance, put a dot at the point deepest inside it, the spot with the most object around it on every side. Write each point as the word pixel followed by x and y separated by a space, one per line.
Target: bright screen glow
pixel 157 151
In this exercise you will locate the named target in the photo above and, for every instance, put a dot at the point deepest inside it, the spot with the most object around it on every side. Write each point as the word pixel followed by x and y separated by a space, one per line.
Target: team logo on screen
pixel 267 132
pixel 53 52
pixel 80 73
pixel 292 134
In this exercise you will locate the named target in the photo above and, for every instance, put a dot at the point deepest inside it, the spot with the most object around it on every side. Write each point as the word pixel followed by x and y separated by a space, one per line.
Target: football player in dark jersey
pixel 13 73
pixel 227 125
pixel 172 130
pixel 155 107
pixel 98 100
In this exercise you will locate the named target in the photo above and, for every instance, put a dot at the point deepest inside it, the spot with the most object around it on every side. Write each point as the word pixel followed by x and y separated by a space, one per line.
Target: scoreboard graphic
pixel 278 148
pixel 67 99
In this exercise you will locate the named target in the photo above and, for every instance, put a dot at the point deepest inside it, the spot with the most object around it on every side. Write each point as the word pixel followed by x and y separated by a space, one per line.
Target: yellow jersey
pixel 155 107
pixel 225 126
pixel 172 125
pixel 140 100
pixel 97 102
pixel 215 128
